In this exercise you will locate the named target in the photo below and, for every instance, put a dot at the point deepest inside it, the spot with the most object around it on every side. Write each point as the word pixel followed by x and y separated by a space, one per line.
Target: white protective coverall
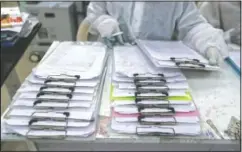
pixel 225 16
pixel 158 21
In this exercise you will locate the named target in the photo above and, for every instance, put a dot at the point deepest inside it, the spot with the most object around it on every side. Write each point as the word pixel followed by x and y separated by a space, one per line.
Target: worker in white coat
pixel 157 21
pixel 225 16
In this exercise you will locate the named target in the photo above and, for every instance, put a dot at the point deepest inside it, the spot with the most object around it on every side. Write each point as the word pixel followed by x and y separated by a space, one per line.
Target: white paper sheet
pixel 129 60
pixel 164 50
pixel 160 52
pixel 73 59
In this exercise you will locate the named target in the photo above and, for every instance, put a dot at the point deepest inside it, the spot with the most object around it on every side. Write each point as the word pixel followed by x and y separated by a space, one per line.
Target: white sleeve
pixel 210 10
pixel 195 32
pixel 95 10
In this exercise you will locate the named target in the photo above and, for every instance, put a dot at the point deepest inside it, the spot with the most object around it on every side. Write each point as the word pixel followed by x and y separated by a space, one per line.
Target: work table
pixel 216 94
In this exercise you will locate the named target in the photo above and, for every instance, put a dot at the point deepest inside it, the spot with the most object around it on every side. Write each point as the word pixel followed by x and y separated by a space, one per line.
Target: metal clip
pixel 150 83
pixel 184 62
pixel 65 114
pixel 155 133
pixel 60 78
pixel 41 93
pixel 170 111
pixel 156 77
pixel 189 65
pixel 160 105
pixel 184 59
pixel 64 76
pixel 40 127
pixel 139 99
pixel 156 98
pixel 44 127
pixel 148 89
pixel 141 117
pixel 145 94
pixel 51 101
pixel 71 88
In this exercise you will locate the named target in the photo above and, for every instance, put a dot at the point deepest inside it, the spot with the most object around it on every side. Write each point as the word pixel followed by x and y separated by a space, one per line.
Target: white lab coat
pixel 160 21
pixel 223 15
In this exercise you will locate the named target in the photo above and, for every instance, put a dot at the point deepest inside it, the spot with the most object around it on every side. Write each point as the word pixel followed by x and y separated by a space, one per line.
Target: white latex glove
pixel 213 56
pixel 105 25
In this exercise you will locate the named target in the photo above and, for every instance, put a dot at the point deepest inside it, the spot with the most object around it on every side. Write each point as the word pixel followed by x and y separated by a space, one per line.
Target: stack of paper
pixel 173 54
pixel 148 100
pixel 60 98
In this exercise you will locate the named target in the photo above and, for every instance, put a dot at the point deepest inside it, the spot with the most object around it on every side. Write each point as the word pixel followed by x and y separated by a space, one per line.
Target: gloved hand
pixel 107 26
pixel 213 56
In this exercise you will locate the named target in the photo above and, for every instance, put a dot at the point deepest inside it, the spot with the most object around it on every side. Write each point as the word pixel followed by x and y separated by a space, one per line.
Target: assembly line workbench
pixel 216 94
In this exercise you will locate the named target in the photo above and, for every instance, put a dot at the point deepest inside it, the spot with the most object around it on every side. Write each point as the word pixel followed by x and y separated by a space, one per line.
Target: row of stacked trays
pixel 146 100
pixel 61 97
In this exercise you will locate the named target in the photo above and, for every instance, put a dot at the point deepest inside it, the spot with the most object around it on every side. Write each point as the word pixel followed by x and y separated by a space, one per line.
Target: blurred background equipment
pixel 60 21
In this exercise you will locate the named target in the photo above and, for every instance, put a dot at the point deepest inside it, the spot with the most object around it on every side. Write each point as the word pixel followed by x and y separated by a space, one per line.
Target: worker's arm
pixel 210 10
pixel 94 11
pixel 212 13
pixel 195 32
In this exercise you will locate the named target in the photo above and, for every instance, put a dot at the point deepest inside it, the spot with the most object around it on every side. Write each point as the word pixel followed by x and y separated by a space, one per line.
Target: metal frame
pixel 129 145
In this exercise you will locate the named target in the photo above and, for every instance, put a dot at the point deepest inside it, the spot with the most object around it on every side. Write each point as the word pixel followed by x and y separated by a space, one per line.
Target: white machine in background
pixel 60 21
